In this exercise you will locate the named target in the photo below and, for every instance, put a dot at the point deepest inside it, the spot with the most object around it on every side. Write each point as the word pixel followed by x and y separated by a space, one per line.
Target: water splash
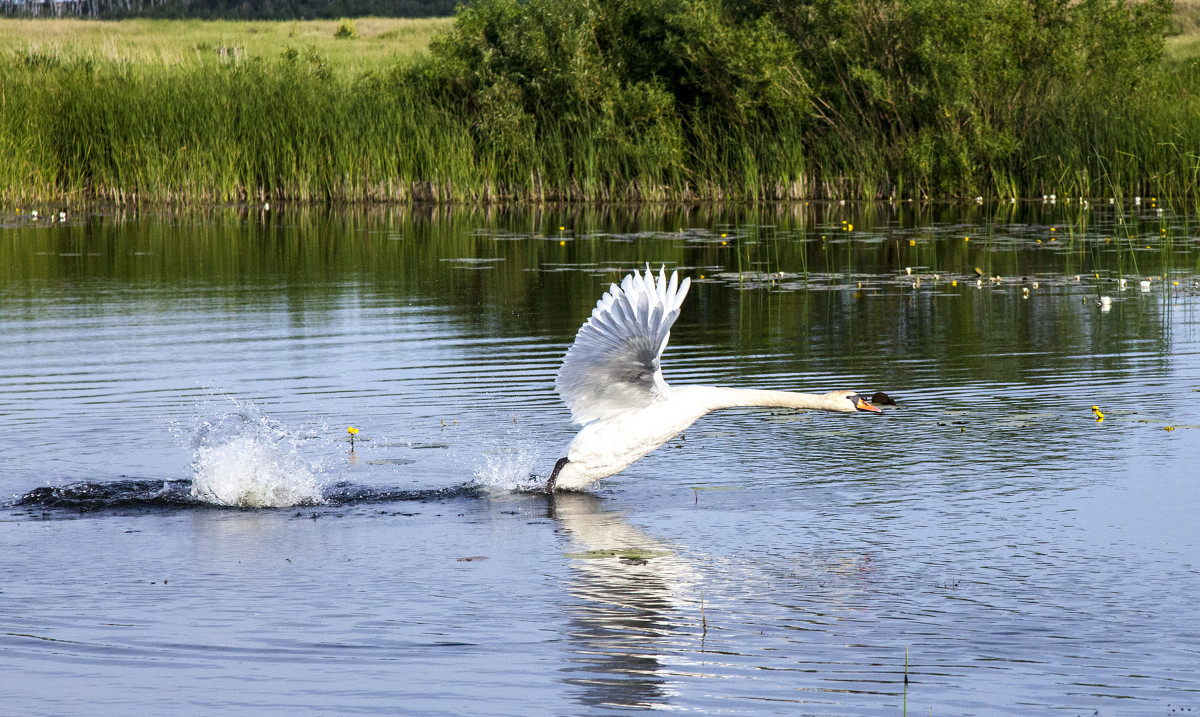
pixel 246 459
pixel 510 468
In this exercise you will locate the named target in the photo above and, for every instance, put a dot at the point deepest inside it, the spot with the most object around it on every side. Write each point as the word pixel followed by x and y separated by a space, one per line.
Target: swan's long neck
pixel 716 397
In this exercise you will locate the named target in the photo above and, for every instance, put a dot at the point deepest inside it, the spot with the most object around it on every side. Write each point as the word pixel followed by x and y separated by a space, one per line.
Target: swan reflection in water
pixel 636 601
pixel 637 635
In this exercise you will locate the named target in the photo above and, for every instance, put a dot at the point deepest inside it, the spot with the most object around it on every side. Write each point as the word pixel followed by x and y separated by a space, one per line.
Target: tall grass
pixel 248 130
pixel 298 124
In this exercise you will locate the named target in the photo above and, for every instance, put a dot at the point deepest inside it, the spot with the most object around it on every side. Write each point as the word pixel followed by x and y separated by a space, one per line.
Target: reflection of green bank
pixel 704 104
pixel 302 263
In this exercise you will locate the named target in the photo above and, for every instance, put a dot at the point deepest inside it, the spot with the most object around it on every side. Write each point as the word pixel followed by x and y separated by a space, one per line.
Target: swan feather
pixel 614 364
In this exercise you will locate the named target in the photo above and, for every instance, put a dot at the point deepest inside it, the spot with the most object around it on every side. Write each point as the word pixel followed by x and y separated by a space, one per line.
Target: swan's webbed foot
pixel 554 474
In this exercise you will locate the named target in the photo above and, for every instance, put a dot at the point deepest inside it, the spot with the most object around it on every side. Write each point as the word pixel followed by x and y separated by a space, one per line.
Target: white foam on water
pixel 509 467
pixel 243 458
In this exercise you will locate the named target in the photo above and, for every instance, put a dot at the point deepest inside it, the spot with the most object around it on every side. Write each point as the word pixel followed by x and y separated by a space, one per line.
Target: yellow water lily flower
pixel 352 431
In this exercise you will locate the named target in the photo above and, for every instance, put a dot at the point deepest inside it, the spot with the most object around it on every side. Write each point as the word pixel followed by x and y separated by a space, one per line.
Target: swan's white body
pixel 612 381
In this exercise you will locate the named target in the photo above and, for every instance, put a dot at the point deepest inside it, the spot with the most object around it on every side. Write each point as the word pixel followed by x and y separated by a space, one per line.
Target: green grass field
pixel 1185 45
pixel 149 45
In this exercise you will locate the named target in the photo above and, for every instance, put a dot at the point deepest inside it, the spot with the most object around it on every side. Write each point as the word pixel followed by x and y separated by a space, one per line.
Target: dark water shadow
pixel 136 495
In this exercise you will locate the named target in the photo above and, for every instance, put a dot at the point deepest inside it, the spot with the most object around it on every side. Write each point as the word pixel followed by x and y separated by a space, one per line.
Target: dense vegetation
pixel 869 97
pixel 642 100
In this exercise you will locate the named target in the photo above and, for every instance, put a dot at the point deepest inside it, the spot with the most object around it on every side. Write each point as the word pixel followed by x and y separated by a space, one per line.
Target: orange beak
pixel 864 406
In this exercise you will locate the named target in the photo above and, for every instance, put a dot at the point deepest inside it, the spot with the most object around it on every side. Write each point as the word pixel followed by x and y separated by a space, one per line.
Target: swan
pixel 611 380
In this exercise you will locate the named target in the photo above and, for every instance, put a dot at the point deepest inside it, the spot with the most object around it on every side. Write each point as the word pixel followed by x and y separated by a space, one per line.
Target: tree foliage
pixel 941 93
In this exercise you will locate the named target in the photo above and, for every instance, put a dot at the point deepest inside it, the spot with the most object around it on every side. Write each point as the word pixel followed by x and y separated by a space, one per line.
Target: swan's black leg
pixel 554 474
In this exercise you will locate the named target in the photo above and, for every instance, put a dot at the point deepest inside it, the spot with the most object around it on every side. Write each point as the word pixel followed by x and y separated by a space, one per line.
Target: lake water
pixel 987 546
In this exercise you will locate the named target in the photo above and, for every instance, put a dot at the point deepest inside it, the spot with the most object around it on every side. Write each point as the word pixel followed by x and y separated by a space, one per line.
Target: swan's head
pixel 849 402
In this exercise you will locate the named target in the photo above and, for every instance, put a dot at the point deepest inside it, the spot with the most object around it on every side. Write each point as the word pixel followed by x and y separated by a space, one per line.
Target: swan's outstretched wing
pixel 613 366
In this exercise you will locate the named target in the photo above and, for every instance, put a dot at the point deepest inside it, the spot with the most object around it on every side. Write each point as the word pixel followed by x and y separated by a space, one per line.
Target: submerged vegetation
pixel 606 100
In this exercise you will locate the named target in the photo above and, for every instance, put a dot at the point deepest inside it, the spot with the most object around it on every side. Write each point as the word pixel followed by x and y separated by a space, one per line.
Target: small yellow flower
pixel 352 431
pixel 954 283
pixel 562 243
pixel 912 242
pixel 849 227
pixel 1052 229
pixel 1168 429
pixel 966 238
pixel 561 228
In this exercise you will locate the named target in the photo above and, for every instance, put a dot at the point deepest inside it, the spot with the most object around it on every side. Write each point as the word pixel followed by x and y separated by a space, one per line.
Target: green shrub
pixel 345 30
pixel 946 94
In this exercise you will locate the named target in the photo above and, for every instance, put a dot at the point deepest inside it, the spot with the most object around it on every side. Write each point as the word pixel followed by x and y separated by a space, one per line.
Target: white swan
pixel 612 381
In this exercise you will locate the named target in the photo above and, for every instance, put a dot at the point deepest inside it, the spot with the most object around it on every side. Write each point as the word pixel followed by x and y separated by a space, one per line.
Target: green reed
pixel 290 127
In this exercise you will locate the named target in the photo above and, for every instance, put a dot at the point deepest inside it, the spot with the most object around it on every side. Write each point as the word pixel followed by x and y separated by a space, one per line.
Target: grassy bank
pixel 166 45
pixel 605 101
